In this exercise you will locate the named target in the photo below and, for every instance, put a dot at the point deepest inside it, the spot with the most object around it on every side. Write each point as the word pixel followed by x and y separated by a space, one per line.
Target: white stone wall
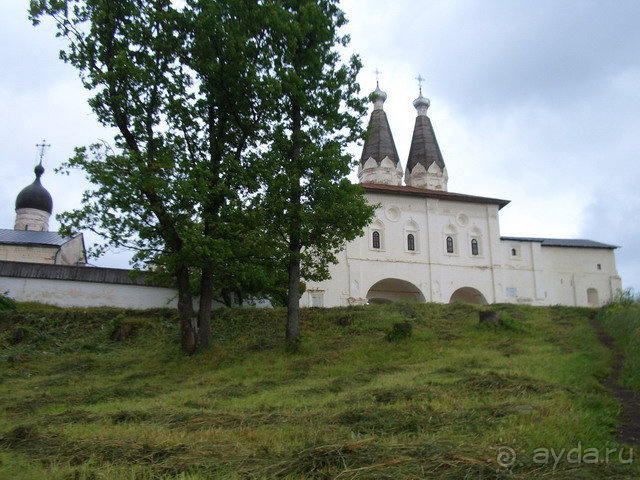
pixel 32 219
pixel 72 252
pixel 536 275
pixel 26 253
pixel 66 293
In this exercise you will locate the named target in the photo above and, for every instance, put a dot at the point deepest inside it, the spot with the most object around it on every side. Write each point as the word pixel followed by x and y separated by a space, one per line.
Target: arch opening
pixel 468 295
pixel 392 290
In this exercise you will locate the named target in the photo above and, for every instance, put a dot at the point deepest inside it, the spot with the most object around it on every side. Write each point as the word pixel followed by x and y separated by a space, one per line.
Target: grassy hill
pixel 456 400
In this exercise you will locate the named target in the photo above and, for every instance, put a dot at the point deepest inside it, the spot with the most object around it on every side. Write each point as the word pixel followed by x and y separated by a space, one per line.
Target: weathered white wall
pixel 25 253
pixel 66 293
pixel 536 275
pixel 32 219
pixel 72 252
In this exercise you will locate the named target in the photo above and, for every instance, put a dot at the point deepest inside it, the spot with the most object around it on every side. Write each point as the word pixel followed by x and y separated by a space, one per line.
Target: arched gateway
pixel 394 290
pixel 468 295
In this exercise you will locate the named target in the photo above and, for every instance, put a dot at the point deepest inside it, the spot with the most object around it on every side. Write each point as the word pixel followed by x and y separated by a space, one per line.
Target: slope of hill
pixel 455 400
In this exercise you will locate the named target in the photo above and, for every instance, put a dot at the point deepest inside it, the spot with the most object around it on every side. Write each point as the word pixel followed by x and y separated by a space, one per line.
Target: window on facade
pixel 449 244
pixel 26 227
pixel 376 239
pixel 316 300
pixel 411 242
pixel 513 252
pixel 474 247
pixel 599 267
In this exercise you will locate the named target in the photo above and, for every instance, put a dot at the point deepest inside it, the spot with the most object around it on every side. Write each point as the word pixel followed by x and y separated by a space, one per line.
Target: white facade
pixel 427 244
pixel 500 270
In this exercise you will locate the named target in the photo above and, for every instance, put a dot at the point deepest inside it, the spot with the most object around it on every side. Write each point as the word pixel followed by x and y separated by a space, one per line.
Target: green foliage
pixel 347 404
pixel 228 165
pixel 6 302
pixel 621 320
pixel 399 331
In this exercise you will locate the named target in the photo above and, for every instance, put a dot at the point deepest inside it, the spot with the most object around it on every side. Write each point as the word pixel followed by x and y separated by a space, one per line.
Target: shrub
pixel 6 302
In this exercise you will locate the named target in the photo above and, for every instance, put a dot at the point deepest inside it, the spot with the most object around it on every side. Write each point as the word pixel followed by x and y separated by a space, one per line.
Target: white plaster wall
pixel 32 219
pixel 536 275
pixel 436 273
pixel 72 252
pixel 29 254
pixel 65 293
pixel 569 272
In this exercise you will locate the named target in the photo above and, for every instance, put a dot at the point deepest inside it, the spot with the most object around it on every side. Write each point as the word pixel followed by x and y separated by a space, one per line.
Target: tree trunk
pixel 204 313
pixel 295 198
pixel 188 328
pixel 293 300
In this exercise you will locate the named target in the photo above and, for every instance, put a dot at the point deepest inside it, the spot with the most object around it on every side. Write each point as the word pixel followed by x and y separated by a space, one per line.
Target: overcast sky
pixel 534 102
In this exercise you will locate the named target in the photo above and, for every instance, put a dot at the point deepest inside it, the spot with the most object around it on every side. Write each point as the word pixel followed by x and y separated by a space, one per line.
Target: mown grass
pixel 621 320
pixel 443 403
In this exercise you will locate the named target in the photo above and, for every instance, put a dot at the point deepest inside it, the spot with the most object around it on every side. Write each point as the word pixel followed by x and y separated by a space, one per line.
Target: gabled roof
pixel 379 143
pixel 439 194
pixel 562 242
pixel 29 237
pixel 424 146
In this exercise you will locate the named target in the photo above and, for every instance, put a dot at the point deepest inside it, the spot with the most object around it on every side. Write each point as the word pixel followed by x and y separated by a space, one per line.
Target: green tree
pixel 313 209
pixel 181 88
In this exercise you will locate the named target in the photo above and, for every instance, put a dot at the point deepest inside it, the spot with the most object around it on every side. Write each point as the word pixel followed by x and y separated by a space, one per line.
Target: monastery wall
pixel 66 293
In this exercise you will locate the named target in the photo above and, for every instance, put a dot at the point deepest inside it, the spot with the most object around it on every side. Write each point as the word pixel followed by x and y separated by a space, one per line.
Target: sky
pixel 533 102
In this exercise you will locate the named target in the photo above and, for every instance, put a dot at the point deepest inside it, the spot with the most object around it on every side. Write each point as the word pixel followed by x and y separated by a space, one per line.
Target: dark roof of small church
pixel 33 238
pixel 424 146
pixel 423 192
pixel 562 242
pixel 35 195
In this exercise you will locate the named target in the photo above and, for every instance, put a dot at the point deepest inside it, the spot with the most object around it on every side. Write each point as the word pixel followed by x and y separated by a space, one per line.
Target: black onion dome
pixel 35 195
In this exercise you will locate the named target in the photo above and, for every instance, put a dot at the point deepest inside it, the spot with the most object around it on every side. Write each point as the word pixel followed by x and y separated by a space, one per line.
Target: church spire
pixel 379 162
pixel 425 165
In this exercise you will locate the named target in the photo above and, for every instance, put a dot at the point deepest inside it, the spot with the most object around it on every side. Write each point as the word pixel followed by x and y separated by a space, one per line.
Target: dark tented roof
pixel 28 237
pixel 424 146
pixel 35 195
pixel 562 242
pixel 379 143
pixel 423 192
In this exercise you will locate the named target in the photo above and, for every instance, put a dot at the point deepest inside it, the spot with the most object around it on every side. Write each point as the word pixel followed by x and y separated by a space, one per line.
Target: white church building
pixel 427 244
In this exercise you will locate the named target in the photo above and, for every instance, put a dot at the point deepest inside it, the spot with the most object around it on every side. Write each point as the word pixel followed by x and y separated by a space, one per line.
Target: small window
pixel 474 247
pixel 449 244
pixel 599 266
pixel 513 252
pixel 26 227
pixel 411 242
pixel 317 300
pixel 376 239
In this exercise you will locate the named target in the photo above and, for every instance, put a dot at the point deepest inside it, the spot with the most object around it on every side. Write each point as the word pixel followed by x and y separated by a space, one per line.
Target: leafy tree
pixel 312 207
pixel 181 87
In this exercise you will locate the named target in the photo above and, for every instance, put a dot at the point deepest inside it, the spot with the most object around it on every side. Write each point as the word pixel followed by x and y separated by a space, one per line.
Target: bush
pixel 6 302
pixel 621 320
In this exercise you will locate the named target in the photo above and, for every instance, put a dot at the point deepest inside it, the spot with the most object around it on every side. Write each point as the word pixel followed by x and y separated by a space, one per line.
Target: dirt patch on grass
pixel 629 429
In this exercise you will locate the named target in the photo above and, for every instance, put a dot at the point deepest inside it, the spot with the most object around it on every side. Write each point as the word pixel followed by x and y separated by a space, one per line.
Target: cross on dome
pixel 420 80
pixel 377 72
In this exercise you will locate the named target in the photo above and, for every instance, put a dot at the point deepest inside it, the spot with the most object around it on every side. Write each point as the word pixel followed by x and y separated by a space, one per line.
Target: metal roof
pixel 30 237
pixel 424 146
pixel 562 242
pixel 422 192
pixel 379 142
